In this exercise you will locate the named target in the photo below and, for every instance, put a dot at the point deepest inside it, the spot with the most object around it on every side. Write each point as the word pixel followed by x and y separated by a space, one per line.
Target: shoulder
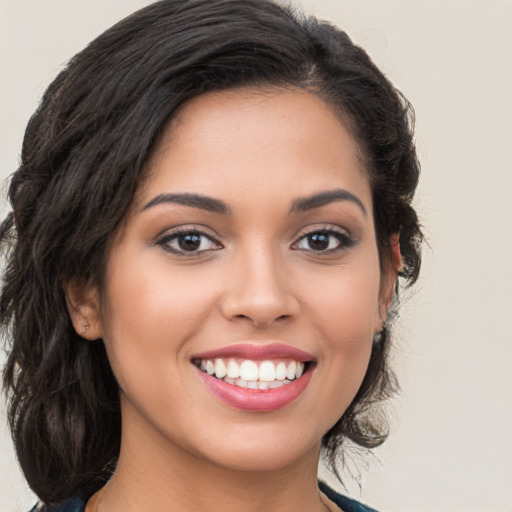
pixel 345 504
pixel 76 504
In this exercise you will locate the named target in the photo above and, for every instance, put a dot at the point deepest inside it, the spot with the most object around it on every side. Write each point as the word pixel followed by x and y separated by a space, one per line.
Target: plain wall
pixel 451 443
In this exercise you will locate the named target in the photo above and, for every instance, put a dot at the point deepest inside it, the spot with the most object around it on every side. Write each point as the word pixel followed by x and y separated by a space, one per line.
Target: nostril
pixel 260 321
pixel 261 310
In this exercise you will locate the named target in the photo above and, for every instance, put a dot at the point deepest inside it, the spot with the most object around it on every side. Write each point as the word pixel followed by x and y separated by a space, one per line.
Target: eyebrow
pixel 194 200
pixel 324 198
pixel 217 206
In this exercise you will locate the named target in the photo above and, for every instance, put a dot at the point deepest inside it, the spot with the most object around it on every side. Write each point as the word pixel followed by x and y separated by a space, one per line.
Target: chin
pixel 262 451
pixel 262 460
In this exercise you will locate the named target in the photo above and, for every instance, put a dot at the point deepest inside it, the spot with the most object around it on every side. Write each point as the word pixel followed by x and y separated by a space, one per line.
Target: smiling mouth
pixel 253 374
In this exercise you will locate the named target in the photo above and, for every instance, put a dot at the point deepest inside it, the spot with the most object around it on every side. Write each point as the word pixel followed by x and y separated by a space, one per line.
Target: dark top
pixel 77 504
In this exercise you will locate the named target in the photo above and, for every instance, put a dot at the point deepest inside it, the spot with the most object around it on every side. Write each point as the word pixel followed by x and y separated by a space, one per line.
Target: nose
pixel 260 290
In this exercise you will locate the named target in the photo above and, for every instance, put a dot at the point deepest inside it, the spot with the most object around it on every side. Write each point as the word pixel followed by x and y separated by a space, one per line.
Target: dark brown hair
pixel 83 158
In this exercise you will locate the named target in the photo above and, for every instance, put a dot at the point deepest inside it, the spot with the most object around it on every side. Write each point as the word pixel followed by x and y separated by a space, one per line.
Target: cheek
pixel 144 312
pixel 346 305
pixel 344 309
pixel 346 322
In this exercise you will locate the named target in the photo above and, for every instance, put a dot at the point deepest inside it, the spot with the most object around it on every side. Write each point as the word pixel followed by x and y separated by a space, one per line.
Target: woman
pixel 212 210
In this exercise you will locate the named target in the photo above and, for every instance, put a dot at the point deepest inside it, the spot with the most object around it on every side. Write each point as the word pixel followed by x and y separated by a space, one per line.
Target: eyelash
pixel 344 241
pixel 166 240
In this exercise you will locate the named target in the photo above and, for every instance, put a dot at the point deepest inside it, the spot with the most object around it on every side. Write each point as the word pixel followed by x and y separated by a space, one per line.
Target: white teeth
pixel 290 371
pixel 281 371
pixel 241 383
pixel 233 369
pixel 267 371
pixel 249 370
pixel 220 369
pixel 248 375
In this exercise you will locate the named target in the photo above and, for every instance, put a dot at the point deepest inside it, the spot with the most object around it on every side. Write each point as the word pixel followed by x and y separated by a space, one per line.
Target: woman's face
pixel 250 249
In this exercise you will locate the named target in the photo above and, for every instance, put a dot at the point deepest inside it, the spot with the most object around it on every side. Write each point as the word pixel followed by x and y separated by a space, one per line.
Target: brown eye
pixel 190 242
pixel 324 241
pixel 319 241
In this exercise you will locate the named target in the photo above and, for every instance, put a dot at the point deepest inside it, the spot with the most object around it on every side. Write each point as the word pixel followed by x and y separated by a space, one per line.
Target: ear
pixel 83 302
pixel 390 270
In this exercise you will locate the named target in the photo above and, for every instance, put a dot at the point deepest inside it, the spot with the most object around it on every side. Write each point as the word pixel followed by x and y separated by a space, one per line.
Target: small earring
pixel 84 328
pixel 377 337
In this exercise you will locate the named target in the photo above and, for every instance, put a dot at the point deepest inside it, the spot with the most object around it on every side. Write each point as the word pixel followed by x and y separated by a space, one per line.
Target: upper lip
pixel 257 351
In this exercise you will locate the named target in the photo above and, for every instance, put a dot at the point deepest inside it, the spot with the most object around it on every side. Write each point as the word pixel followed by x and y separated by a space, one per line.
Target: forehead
pixel 272 143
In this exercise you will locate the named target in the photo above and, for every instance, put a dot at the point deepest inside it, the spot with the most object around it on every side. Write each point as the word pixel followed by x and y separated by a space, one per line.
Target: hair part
pixel 85 155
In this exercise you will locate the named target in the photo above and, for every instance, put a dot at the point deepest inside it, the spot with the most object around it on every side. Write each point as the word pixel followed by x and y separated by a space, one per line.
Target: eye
pixel 188 241
pixel 324 241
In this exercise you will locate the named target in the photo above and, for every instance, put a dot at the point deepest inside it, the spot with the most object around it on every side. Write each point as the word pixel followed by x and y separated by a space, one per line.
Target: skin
pixel 256 278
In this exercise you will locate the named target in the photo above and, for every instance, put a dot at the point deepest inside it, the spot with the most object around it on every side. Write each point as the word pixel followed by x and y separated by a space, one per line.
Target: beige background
pixel 451 447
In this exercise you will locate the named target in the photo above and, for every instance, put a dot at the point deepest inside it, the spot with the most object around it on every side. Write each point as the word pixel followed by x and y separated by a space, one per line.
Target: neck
pixel 158 475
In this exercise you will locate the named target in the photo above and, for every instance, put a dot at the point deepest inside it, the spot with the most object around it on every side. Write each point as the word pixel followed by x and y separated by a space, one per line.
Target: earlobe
pixel 388 281
pixel 396 255
pixel 82 300
pixel 385 299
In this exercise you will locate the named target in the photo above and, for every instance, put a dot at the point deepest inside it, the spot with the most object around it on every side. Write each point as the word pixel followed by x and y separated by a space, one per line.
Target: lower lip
pixel 256 399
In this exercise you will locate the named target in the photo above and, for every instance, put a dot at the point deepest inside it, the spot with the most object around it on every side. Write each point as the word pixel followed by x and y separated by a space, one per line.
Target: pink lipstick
pixel 257 352
pixel 255 377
